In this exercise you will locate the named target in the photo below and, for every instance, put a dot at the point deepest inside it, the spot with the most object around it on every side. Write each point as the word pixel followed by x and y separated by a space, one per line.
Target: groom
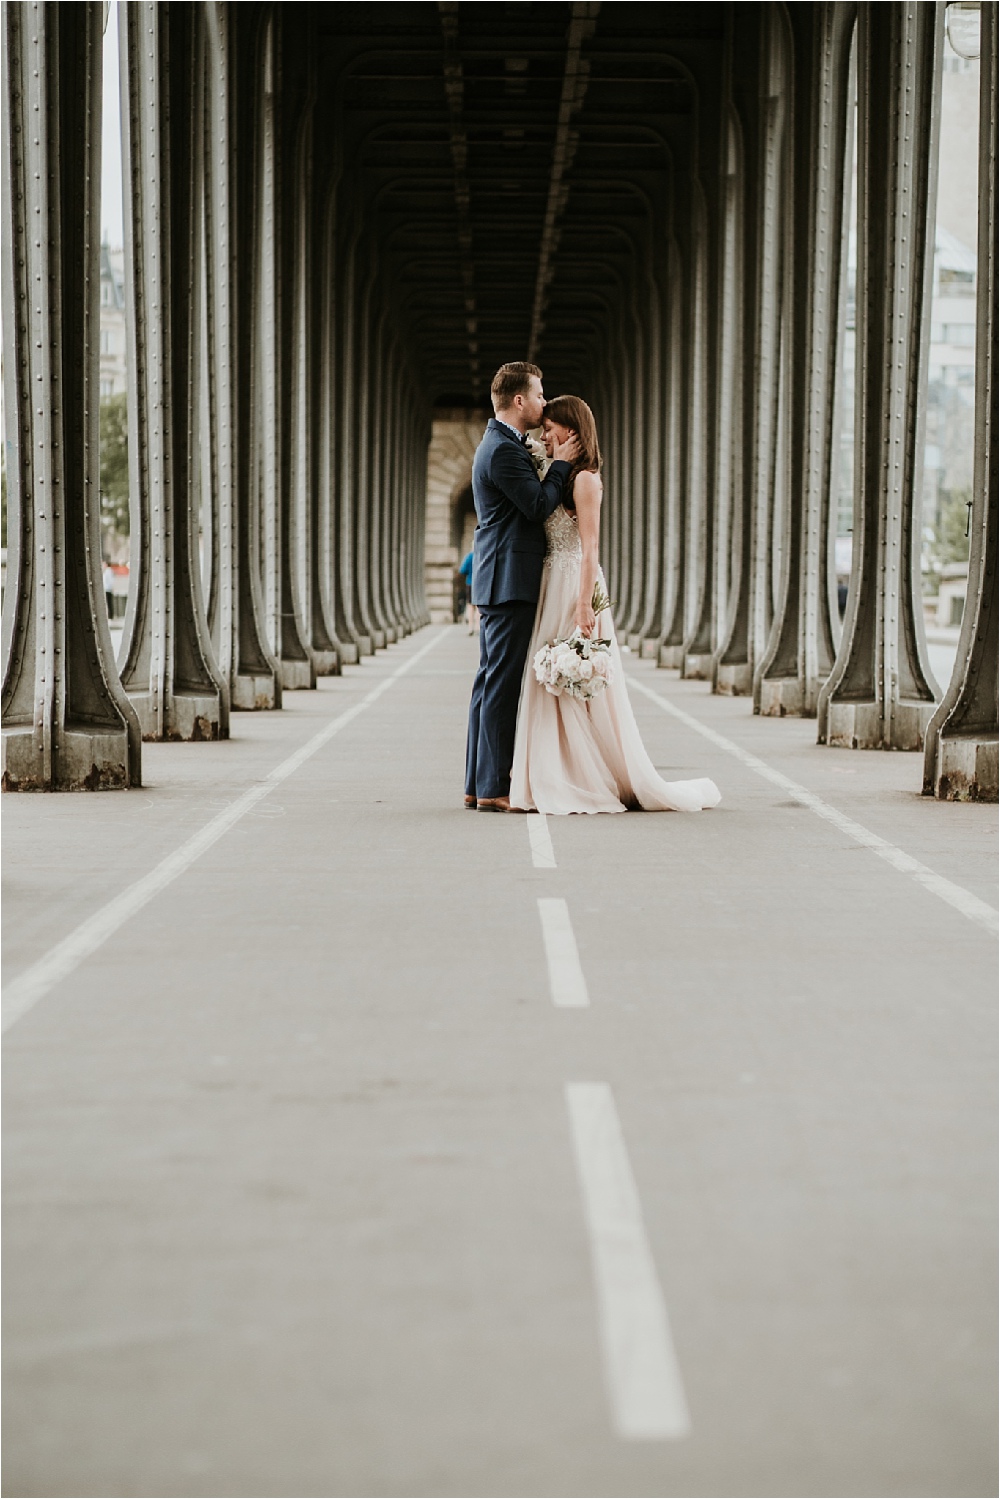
pixel 512 504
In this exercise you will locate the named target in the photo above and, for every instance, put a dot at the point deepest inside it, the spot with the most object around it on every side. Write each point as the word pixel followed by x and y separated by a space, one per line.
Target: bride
pixel 572 755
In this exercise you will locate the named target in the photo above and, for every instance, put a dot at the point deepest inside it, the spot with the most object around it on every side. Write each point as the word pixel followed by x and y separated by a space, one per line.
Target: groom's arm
pixel 513 473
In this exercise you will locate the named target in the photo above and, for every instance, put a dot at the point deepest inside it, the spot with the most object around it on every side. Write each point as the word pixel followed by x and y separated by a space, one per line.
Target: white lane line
pixel 566 980
pixel 640 1365
pixel 35 982
pixel 543 855
pixel 957 896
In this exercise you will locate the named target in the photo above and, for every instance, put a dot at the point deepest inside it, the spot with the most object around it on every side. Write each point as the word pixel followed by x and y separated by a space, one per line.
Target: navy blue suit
pixel 512 505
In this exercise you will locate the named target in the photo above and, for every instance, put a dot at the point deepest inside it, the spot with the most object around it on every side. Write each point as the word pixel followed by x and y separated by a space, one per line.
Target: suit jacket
pixel 512 504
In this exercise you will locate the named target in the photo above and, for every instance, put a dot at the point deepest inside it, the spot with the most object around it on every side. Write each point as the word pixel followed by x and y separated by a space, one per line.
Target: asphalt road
pixel 318 1184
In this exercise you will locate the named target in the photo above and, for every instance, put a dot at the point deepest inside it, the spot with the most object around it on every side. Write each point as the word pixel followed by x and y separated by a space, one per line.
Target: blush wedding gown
pixel 574 756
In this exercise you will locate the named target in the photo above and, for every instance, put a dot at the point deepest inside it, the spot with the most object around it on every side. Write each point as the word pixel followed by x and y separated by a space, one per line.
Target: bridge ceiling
pixel 515 170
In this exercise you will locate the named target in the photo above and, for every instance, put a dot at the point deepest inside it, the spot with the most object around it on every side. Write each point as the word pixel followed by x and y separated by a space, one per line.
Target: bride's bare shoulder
pixel 588 484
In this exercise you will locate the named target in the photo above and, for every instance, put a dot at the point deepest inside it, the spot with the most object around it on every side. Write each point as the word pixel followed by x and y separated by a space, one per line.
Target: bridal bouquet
pixel 580 665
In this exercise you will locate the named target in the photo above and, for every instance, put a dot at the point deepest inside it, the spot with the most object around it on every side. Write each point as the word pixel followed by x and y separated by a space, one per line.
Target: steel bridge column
pixel 281 99
pixel 330 517
pixel 366 497
pixel 672 418
pixel 647 642
pixel 960 750
pixel 377 481
pixel 311 510
pixel 230 83
pixel 880 694
pixel 347 448
pixel 67 724
pixel 801 647
pixel 169 667
pixel 760 98
pixel 691 497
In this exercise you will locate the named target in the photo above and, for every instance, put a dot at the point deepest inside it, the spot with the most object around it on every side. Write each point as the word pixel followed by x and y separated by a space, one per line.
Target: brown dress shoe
pixel 493 804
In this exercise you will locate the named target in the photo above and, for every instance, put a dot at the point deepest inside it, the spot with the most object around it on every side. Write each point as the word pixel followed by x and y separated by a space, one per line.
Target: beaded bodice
pixel 563 537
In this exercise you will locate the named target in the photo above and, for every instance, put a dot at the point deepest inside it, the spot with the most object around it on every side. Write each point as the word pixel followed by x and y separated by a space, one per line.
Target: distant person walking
pixel 471 612
pixel 109 583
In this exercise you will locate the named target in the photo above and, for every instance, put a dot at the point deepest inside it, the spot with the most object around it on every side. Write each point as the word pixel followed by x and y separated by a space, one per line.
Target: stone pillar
pixel 960 750
pixel 230 70
pixel 800 650
pixel 455 435
pixel 67 724
pixel 880 694
pixel 169 667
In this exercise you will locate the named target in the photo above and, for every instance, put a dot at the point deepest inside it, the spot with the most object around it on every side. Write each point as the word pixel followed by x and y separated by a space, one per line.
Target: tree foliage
pixel 950 542
pixel 114 464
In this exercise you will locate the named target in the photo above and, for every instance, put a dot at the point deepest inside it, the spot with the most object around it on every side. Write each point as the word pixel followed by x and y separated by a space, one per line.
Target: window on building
pixel 105 341
pixel 105 293
pixel 963 334
pixel 107 388
pixel 956 283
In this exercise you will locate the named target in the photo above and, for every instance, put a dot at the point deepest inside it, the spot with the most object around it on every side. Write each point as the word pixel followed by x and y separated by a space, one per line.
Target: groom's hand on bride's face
pixel 568 451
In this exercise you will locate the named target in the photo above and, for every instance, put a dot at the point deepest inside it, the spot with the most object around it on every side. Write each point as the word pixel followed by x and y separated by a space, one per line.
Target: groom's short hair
pixel 511 380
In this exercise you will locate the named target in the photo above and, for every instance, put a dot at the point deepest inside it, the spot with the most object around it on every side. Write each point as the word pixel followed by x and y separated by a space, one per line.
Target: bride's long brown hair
pixel 576 415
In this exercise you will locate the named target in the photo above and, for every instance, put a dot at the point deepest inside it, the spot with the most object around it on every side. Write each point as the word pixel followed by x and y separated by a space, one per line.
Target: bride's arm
pixel 587 498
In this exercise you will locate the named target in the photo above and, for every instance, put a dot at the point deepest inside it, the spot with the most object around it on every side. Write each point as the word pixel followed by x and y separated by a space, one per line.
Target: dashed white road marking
pixel 566 981
pixel 35 982
pixel 956 896
pixel 542 853
pixel 640 1364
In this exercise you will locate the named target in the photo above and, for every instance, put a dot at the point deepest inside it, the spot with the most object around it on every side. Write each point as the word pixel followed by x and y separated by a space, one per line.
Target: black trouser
pixel 504 637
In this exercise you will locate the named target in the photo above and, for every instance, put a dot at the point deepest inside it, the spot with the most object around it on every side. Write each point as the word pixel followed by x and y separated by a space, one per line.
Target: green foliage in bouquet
pixel 600 600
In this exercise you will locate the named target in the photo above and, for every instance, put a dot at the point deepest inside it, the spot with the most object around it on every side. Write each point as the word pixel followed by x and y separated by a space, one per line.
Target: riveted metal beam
pixel 169 667
pixel 454 88
pixel 799 651
pixel 576 75
pixel 880 694
pixel 960 750
pixel 67 724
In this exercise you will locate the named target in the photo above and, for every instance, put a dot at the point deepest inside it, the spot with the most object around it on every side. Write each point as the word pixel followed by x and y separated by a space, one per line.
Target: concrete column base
pixel 326 663
pixel 84 760
pixel 862 726
pixel 255 694
pixel 189 716
pixel 785 697
pixel 968 769
pixel 671 655
pixel 650 650
pixel 297 676
pixel 349 653
pixel 365 647
pixel 380 639
pixel 733 679
pixel 697 667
